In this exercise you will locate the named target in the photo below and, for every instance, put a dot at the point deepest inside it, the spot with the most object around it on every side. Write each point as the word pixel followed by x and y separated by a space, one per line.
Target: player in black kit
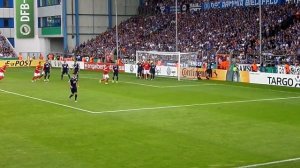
pixel 76 69
pixel 47 68
pixel 152 70
pixel 65 70
pixel 139 69
pixel 116 73
pixel 73 87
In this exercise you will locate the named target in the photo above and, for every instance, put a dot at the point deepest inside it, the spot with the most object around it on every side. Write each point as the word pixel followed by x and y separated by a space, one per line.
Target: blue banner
pixel 222 4
pixel 239 3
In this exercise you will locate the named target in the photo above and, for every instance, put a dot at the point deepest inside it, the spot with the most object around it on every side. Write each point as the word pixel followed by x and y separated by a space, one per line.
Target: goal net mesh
pixel 172 64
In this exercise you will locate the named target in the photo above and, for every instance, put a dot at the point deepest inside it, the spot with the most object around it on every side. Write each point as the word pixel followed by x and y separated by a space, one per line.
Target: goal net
pixel 172 64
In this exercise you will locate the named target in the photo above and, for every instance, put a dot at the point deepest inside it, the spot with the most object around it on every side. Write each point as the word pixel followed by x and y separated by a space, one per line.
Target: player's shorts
pixel 36 74
pixel 152 71
pixel 146 72
pixel 1 74
pixel 105 76
pixel 74 90
pixel 65 72
pixel 47 71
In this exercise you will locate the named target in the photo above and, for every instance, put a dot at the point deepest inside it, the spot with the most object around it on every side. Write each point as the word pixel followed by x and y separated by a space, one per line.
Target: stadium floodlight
pixel 117 34
pixel 173 62
pixel 260 33
pixel 176 26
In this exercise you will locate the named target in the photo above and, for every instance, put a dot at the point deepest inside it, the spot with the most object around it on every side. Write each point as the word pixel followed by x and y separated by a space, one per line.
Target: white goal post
pixel 172 64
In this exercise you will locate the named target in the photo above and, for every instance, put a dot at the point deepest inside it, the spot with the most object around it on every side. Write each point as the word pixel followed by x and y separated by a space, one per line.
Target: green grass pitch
pixel 162 123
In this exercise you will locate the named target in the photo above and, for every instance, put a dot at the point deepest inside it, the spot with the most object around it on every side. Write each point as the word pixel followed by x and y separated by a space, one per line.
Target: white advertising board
pixel 295 70
pixel 160 70
pixel 275 79
pixel 57 64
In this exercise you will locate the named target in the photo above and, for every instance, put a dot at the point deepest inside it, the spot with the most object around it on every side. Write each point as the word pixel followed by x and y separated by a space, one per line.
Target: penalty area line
pixel 47 101
pixel 155 86
pixel 270 163
pixel 191 105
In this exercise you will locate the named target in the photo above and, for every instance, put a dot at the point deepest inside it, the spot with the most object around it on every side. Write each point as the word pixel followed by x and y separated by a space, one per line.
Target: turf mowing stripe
pixel 249 87
pixel 270 163
pixel 205 84
pixel 191 105
pixel 171 86
pixel 47 101
pixel 141 84
pixel 149 108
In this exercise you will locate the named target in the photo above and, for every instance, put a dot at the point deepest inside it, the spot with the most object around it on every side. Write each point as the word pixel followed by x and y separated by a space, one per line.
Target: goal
pixel 172 64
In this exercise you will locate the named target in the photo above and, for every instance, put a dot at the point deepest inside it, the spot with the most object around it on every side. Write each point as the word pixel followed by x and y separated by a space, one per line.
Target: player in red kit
pixel 146 67
pixel 37 72
pixel 2 71
pixel 105 74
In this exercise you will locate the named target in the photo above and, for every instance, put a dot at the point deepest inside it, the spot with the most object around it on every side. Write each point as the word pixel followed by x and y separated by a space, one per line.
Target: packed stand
pixel 6 51
pixel 231 30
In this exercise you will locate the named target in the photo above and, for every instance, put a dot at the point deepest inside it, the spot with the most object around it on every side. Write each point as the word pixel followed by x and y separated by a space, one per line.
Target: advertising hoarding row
pixel 276 79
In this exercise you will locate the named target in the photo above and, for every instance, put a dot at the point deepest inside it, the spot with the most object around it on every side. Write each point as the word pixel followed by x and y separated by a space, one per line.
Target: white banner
pixel 244 67
pixel 295 70
pixel 57 64
pixel 160 70
pixel 275 79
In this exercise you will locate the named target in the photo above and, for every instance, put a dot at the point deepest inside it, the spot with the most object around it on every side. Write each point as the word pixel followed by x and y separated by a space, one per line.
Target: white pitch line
pixel 141 84
pixel 47 101
pixel 270 163
pixel 174 86
pixel 203 104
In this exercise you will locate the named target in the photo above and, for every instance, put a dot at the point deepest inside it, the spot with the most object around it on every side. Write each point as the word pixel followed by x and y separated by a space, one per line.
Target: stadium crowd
pixel 218 30
pixel 5 48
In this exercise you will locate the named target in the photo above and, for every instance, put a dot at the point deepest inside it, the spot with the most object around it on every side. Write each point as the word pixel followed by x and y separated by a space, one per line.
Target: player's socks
pixel 75 97
pixel 1 77
pixel 71 96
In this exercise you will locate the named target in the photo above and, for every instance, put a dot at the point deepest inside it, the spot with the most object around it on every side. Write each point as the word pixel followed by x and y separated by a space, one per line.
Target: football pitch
pixel 135 123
